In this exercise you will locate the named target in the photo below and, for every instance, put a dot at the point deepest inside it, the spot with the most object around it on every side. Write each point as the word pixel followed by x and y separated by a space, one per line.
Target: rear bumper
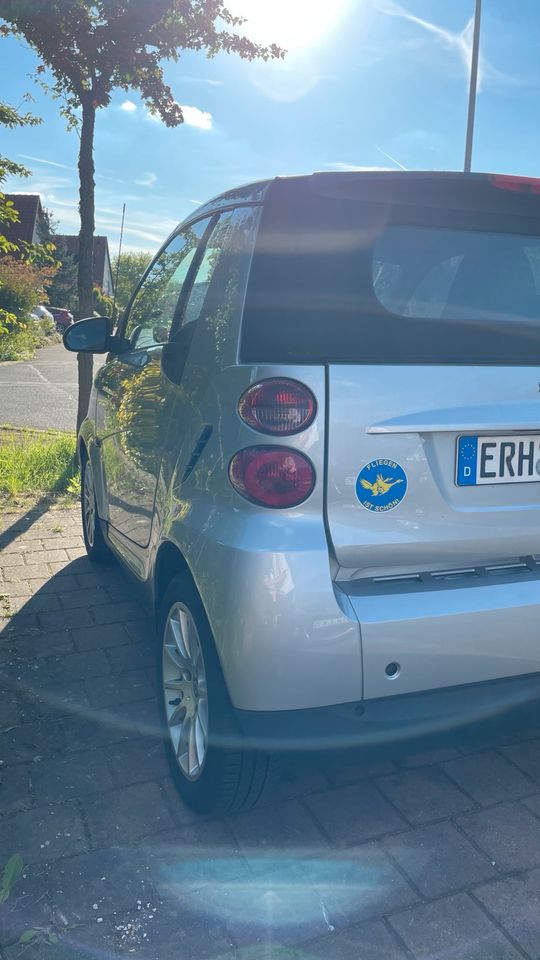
pixel 448 630
pixel 435 717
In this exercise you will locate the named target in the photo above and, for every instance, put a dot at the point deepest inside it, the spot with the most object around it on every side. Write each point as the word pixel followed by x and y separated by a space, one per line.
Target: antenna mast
pixel 118 260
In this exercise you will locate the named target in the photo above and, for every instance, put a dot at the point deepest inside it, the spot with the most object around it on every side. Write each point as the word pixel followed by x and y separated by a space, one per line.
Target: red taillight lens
pixel 277 406
pixel 515 184
pixel 272 476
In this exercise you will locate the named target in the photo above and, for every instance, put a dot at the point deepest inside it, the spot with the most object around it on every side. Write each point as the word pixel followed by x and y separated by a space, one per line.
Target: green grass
pixel 36 463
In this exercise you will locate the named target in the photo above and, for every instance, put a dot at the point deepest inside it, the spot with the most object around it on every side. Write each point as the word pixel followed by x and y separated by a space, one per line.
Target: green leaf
pixel 53 938
pixel 12 872
pixel 29 935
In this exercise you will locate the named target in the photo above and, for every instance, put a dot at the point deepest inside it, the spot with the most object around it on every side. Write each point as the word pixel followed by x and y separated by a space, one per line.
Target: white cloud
pixel 341 167
pixel 64 166
pixel 43 184
pixel 49 163
pixel 193 117
pixel 458 42
pixel 211 83
pixel 196 118
pixel 148 180
pixel 392 159
pixel 128 106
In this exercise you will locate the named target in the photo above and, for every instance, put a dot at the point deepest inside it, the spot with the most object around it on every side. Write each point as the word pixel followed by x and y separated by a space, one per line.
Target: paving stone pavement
pixel 431 855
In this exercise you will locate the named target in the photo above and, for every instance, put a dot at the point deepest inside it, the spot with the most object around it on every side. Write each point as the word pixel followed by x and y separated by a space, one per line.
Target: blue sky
pixel 366 83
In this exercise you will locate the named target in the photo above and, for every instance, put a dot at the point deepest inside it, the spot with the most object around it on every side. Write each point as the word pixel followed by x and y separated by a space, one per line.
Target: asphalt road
pixel 42 392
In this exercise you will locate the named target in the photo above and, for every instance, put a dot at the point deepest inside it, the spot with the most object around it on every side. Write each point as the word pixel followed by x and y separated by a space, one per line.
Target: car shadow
pixel 116 864
pixel 23 523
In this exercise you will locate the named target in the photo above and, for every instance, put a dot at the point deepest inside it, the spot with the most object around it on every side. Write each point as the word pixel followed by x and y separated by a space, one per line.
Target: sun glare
pixel 293 24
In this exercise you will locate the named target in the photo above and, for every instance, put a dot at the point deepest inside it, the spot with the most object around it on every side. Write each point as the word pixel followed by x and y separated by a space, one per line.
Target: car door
pixel 133 397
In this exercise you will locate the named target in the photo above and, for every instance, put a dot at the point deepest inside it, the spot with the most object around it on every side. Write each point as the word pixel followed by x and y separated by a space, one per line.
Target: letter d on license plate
pixel 512 459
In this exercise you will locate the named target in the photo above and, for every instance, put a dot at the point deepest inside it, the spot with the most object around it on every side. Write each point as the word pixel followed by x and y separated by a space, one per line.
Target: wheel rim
pixel 89 504
pixel 185 691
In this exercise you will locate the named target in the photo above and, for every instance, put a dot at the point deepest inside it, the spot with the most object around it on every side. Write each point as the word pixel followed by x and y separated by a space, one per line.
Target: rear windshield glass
pixel 337 279
pixel 457 274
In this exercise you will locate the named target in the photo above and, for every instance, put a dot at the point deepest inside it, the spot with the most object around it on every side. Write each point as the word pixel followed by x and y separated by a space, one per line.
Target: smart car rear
pixel 324 462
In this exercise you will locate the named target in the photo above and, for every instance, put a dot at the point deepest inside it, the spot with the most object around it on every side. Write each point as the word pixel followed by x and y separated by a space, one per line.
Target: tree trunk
pixel 86 246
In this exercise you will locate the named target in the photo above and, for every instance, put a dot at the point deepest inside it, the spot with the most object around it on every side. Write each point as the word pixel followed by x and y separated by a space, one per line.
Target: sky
pixel 365 83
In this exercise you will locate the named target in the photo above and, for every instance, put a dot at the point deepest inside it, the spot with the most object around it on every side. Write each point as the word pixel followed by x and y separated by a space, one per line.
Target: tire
pixel 212 770
pixel 94 541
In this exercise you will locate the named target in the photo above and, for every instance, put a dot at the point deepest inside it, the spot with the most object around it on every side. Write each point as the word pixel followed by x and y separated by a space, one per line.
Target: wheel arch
pixel 169 563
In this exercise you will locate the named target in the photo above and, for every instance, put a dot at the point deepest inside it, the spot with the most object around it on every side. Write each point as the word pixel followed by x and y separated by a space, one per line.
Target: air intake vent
pixel 204 437
pixel 499 569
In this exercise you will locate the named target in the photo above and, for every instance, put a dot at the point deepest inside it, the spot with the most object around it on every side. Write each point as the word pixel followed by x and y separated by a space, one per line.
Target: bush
pixel 17 345
pixel 103 304
pixel 43 328
pixel 22 287
pixel 22 341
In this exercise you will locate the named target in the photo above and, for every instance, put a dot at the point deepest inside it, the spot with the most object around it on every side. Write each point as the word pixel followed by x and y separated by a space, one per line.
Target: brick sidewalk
pixel 432 856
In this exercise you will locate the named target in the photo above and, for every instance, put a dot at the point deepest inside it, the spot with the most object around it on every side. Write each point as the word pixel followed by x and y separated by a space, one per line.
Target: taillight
pixel 515 184
pixel 277 406
pixel 272 476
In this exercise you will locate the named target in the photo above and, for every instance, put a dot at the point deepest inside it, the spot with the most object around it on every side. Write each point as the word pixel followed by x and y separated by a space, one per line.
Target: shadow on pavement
pixel 335 863
pixel 23 523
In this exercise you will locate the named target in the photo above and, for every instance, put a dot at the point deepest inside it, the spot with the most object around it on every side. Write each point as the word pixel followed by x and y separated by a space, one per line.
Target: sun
pixel 295 25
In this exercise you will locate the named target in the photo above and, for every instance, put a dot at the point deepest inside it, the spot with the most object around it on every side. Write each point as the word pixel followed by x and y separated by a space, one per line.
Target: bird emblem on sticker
pixel 381 485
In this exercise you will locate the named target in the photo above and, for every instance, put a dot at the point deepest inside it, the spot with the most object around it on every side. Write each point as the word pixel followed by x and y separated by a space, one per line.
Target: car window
pixel 340 280
pixel 456 274
pixel 429 294
pixel 219 285
pixel 153 309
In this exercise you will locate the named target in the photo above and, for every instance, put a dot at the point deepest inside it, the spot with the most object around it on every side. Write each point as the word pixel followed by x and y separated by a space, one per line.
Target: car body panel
pixel 63 318
pixel 413 415
pixel 134 412
pixel 451 631
pixel 264 575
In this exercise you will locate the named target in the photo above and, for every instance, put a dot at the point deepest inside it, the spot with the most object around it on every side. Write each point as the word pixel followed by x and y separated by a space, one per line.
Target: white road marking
pixel 32 383
pixel 40 375
pixel 326 917
pixel 50 384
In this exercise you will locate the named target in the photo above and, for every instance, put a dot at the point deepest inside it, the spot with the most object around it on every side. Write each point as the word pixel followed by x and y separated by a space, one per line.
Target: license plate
pixel 513 459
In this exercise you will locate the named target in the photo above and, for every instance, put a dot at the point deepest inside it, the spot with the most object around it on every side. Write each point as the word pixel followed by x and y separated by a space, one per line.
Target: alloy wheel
pixel 89 503
pixel 185 691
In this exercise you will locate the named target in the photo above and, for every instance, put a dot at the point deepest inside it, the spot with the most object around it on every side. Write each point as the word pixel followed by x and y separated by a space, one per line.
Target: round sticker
pixel 381 485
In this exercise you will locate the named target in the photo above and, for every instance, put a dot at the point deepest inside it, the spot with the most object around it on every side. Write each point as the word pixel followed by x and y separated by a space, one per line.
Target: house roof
pixel 28 206
pixel 101 260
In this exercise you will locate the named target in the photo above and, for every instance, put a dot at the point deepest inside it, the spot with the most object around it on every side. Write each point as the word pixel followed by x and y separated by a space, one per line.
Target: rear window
pixel 457 274
pixel 341 279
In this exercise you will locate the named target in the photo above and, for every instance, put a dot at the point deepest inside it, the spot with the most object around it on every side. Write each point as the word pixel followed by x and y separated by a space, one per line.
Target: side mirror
pixel 92 335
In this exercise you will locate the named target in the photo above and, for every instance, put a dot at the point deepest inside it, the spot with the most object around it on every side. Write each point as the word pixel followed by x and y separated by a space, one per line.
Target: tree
pixel 94 46
pixel 129 271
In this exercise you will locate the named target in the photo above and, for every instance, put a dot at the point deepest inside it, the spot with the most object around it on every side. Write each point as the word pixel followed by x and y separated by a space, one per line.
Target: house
pixel 31 225
pixel 102 274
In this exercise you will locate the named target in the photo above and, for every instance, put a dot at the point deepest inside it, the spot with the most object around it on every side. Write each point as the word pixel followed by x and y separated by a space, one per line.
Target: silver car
pixel 315 443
